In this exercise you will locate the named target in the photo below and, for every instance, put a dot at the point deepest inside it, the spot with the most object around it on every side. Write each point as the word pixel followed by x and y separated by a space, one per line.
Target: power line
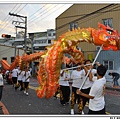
pixel 7 15
pixel 42 13
pixel 37 11
pixel 49 14
pixel 83 14
pixel 92 17
pixel 12 18
pixel 87 15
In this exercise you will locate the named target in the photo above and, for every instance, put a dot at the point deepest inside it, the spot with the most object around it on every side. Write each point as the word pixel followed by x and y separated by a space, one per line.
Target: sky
pixel 40 16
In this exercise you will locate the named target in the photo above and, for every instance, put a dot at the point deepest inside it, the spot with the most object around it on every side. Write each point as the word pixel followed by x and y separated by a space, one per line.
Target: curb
pixel 110 88
pixel 4 109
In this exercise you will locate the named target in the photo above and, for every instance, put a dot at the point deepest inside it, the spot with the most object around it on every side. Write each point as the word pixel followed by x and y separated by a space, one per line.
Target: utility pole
pixel 32 50
pixel 25 27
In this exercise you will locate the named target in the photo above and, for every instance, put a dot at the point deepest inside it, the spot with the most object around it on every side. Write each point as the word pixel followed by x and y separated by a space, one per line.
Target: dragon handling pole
pixel 90 69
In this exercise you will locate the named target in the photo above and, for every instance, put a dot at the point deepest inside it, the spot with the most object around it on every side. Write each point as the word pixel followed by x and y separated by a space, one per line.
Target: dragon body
pixel 67 43
pixel 51 60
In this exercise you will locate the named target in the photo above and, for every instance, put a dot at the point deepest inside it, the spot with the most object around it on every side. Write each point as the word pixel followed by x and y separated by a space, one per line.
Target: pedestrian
pixel 7 75
pixel 64 86
pixel 3 73
pixel 76 76
pixel 1 86
pixel 19 78
pixel 96 95
pixel 14 77
pixel 10 78
pixel 26 80
pixel 87 84
pixel 115 77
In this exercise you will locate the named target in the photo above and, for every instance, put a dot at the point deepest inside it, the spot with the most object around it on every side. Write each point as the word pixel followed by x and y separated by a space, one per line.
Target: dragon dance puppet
pixel 52 58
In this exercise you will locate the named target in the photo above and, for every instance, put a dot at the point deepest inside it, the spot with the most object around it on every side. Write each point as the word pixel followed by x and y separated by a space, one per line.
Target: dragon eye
pixel 109 31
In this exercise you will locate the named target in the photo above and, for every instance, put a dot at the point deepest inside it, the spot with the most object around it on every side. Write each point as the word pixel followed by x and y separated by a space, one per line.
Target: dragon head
pixel 107 37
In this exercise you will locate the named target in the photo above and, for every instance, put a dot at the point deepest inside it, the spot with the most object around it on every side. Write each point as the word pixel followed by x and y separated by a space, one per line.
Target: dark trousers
pixel 116 81
pixel 1 90
pixel 21 84
pixel 84 99
pixel 76 98
pixel 64 94
pixel 97 112
pixel 80 99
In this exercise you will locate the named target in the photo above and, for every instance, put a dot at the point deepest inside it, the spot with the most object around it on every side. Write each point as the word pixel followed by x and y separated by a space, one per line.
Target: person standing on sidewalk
pixel 64 87
pixel 115 77
pixel 96 95
pixel 1 86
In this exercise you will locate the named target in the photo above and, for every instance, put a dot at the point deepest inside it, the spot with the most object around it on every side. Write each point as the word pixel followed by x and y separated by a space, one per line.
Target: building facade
pixel 42 39
pixel 88 15
pixel 36 42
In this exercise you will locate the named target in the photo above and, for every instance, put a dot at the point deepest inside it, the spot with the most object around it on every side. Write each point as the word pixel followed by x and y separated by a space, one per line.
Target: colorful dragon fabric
pixel 52 58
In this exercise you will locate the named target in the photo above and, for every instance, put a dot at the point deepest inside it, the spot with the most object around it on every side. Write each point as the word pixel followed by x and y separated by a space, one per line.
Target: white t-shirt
pixel 14 72
pixel 26 76
pixel 62 81
pixel 97 90
pixel 87 83
pixel 19 75
pixel 23 76
pixel 1 80
pixel 77 78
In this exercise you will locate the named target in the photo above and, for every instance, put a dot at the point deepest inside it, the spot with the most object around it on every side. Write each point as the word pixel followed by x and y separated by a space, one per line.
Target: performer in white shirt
pixel 26 80
pixel 64 87
pixel 14 77
pixel 96 95
pixel 76 76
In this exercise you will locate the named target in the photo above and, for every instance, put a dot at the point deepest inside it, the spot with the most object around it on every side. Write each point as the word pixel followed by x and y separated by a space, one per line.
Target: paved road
pixel 17 103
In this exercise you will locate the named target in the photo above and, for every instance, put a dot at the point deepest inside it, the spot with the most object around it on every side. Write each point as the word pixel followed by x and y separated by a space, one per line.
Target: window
pixel 109 64
pixel 12 59
pixel 49 41
pixel 107 22
pixel 73 25
pixel 5 58
pixel 53 34
pixel 49 34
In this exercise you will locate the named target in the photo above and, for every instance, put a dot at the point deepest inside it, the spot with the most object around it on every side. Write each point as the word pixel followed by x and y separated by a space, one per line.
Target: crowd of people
pixel 19 79
pixel 85 84
pixel 83 91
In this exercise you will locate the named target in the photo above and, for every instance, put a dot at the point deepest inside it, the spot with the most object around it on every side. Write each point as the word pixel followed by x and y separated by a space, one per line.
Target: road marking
pixel 31 87
pixel 4 109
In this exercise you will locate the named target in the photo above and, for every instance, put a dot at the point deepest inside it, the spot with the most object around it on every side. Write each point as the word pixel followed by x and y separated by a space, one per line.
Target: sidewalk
pixel 109 86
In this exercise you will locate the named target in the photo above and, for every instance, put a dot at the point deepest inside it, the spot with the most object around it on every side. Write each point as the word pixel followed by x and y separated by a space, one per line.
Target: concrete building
pixel 88 15
pixel 9 48
pixel 42 39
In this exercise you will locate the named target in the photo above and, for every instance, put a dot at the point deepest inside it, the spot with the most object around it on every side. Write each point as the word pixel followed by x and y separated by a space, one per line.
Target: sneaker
pixel 24 92
pixel 63 104
pixel 83 113
pixel 72 111
pixel 27 94
pixel 67 102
